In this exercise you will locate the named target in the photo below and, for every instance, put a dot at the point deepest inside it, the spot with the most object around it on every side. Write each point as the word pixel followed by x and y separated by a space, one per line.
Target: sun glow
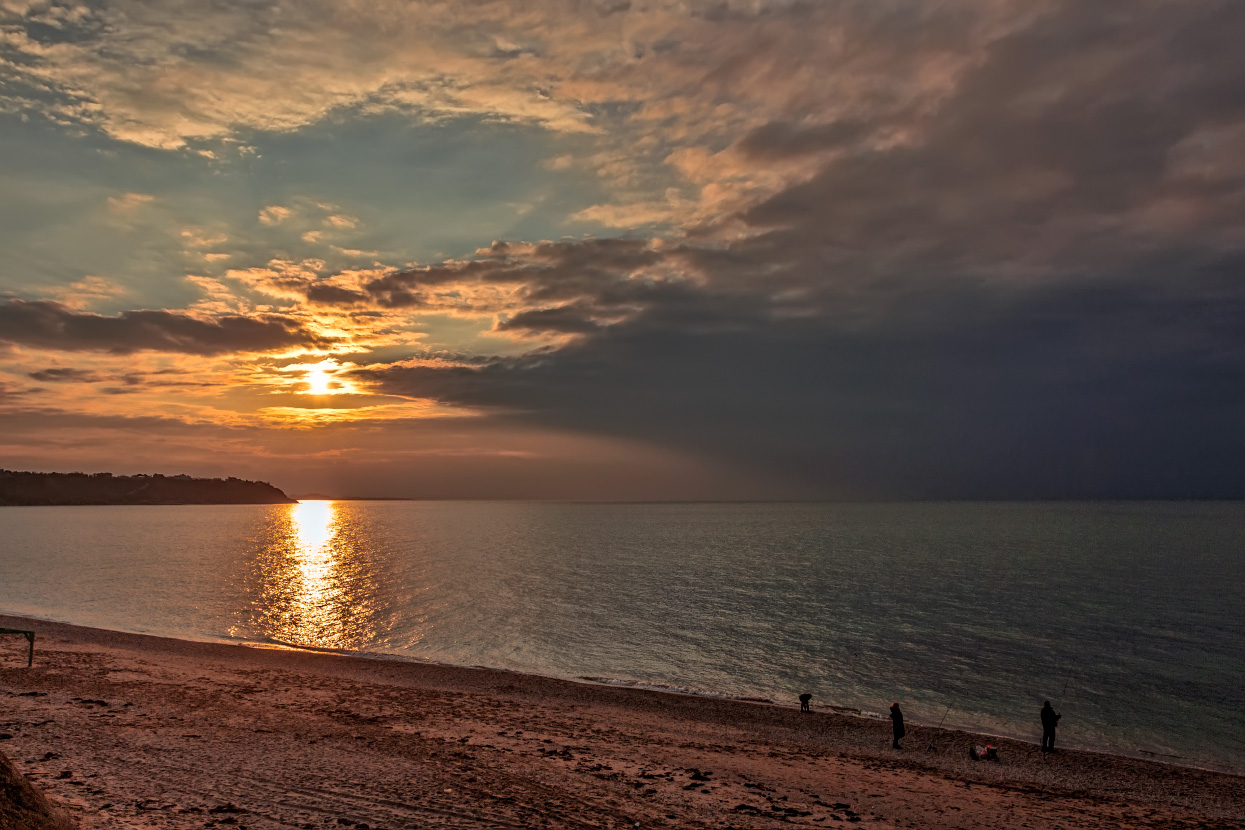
pixel 321 378
pixel 318 382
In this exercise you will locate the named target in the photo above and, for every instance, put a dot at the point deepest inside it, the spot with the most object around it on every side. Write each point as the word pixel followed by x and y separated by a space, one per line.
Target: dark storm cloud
pixel 1036 293
pixel 1106 390
pixel 49 325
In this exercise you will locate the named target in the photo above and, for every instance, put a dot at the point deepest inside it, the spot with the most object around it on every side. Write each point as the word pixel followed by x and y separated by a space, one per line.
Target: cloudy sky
pixel 638 249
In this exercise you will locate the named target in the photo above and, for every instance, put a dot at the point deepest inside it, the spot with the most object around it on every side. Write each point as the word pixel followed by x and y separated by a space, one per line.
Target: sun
pixel 318 382
pixel 319 378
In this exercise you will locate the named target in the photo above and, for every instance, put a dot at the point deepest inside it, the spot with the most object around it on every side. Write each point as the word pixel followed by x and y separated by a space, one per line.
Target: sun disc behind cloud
pixel 320 378
pixel 319 382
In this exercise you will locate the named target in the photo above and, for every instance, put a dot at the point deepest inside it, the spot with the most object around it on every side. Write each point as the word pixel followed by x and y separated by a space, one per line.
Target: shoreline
pixel 128 730
pixel 650 686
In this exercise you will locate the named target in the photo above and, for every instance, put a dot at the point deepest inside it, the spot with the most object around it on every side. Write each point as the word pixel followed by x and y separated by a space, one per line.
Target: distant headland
pixel 24 488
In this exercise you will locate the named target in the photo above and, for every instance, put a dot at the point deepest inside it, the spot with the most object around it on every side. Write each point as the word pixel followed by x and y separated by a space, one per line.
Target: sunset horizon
pixel 622 414
pixel 613 250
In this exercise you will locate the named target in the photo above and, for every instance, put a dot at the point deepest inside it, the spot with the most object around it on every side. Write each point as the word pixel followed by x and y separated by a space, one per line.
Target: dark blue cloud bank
pixel 1038 293
pixel 1075 391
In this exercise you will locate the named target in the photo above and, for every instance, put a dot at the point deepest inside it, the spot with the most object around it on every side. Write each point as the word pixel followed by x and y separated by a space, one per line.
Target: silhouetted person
pixel 896 724
pixel 1049 719
pixel 804 699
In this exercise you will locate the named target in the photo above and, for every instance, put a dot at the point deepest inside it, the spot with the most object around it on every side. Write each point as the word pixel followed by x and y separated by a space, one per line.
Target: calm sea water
pixel 1129 617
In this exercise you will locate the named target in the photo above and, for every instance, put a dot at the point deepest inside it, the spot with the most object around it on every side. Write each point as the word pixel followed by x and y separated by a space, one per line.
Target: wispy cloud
pixel 65 375
pixel 87 291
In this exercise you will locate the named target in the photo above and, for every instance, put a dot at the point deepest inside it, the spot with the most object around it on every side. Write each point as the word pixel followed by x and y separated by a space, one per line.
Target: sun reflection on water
pixel 307 604
pixel 318 579
pixel 313 532
pixel 313 617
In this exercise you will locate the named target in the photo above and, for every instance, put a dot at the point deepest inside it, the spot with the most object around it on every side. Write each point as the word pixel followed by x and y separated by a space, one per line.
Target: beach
pixel 134 731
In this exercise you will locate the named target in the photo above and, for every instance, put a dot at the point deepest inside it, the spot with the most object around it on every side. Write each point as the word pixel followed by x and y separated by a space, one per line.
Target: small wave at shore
pixel 673 689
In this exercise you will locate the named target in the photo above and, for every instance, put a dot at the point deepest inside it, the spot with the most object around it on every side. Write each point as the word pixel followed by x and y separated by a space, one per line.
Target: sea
pixel 1129 617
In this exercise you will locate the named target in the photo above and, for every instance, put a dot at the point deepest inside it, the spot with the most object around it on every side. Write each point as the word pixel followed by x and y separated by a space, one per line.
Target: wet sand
pixel 133 731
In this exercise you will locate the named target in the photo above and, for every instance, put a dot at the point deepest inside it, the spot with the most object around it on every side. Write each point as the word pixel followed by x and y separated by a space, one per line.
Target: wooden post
pixel 30 638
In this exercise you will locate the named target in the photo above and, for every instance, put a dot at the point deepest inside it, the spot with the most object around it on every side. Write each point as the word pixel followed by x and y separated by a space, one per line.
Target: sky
pixel 628 249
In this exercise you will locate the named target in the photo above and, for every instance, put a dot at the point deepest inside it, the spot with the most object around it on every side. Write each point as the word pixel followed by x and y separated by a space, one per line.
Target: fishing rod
pixel 1059 699
pixel 940 723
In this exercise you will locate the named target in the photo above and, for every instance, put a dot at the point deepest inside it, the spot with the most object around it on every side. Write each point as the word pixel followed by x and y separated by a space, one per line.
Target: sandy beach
pixel 133 731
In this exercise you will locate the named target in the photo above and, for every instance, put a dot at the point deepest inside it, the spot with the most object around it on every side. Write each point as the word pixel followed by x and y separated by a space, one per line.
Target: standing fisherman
pixel 896 724
pixel 1049 719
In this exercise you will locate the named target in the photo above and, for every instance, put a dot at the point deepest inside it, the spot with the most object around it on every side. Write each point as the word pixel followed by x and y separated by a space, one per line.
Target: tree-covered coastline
pixel 29 488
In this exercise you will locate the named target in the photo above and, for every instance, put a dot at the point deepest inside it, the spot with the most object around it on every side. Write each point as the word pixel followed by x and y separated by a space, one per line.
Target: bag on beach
pixel 983 753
